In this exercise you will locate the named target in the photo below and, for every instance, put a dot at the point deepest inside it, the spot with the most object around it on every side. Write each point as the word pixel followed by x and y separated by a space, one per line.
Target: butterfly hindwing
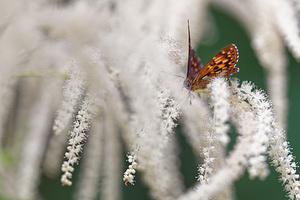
pixel 222 64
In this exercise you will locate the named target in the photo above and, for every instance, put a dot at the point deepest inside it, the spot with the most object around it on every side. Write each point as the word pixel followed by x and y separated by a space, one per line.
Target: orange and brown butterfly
pixel 222 64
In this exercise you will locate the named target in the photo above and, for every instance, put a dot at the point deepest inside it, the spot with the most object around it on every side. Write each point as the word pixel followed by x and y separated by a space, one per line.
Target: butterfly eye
pixel 187 84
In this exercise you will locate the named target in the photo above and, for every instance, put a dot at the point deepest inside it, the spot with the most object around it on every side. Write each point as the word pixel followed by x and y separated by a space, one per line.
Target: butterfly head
pixel 187 84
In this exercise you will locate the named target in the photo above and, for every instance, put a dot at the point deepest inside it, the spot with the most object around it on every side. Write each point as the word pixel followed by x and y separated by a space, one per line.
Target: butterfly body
pixel 222 64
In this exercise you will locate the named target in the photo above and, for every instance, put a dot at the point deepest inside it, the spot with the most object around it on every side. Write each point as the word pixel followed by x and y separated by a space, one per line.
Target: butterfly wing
pixel 194 64
pixel 222 64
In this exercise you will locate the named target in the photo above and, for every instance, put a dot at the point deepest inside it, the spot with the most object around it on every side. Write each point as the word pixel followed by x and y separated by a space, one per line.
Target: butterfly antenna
pixel 189 34
pixel 173 74
pixel 190 47
pixel 178 76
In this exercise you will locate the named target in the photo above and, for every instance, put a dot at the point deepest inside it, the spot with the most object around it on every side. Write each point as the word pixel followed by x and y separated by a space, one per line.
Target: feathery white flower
pixel 88 110
pixel 73 92
pixel 284 162
pixel 220 103
pixel 217 138
pixel 264 115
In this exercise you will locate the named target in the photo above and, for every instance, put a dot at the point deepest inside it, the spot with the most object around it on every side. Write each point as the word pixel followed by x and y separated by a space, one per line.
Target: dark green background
pixel 229 31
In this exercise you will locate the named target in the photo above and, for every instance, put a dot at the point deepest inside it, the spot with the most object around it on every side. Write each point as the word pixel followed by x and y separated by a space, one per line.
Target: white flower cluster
pixel 220 103
pixel 216 138
pixel 78 136
pixel 284 163
pixel 169 109
pixel 207 168
pixel 261 106
pixel 129 173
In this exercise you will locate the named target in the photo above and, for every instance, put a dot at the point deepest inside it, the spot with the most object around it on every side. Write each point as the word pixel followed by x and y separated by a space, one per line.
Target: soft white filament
pixel 32 154
pixel 112 163
pixel 88 186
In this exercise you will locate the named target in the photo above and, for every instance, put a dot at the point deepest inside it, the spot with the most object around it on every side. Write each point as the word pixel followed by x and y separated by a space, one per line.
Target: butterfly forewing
pixel 194 64
pixel 222 64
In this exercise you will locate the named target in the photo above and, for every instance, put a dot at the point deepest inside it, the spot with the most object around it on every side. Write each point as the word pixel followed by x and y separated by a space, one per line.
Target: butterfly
pixel 222 64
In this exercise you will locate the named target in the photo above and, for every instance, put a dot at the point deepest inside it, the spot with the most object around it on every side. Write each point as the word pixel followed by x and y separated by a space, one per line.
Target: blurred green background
pixel 229 31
